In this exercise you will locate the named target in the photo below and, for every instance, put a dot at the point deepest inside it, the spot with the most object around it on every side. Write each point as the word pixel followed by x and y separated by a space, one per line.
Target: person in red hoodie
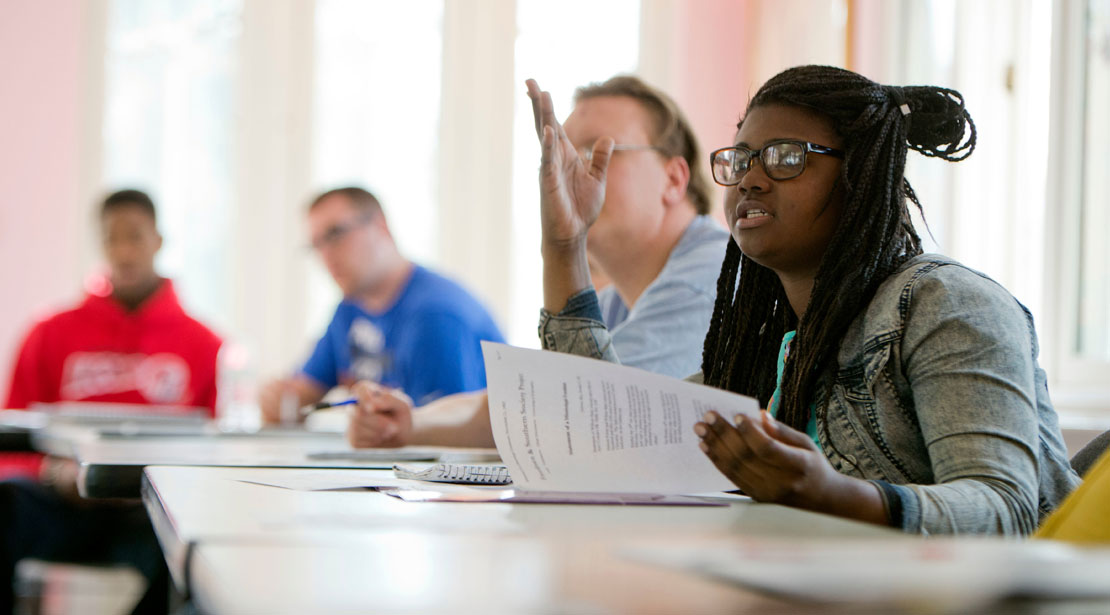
pixel 127 342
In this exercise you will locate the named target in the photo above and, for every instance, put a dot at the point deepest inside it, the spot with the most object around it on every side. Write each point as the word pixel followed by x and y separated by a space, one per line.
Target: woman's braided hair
pixel 874 236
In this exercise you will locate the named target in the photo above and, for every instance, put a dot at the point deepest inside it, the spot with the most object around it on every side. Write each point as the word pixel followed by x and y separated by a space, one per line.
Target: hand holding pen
pixel 381 417
pixel 324 405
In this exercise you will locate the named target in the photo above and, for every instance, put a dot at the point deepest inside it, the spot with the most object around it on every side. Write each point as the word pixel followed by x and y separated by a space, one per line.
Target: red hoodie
pixel 100 352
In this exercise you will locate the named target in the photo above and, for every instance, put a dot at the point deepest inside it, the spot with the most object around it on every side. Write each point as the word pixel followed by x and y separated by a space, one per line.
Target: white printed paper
pixel 568 423
pixel 326 480
pixel 938 575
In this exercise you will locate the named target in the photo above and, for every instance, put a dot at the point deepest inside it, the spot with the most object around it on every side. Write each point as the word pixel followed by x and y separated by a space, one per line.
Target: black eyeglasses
pixel 781 160
pixel 334 234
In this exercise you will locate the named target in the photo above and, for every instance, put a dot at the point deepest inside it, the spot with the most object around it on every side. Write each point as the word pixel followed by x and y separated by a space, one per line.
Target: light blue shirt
pixel 665 329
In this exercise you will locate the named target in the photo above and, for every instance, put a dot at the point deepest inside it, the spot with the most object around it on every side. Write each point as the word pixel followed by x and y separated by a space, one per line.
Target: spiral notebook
pixel 456 473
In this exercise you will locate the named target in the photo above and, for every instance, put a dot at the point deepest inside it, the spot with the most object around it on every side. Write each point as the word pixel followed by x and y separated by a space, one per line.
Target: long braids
pixel 759 320
pixel 874 236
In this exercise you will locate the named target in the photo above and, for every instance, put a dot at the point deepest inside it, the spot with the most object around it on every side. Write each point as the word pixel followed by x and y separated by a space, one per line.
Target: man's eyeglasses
pixel 586 152
pixel 784 159
pixel 337 232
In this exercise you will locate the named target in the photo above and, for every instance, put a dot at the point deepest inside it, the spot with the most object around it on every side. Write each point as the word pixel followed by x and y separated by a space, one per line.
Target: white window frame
pixel 272 178
pixel 1080 386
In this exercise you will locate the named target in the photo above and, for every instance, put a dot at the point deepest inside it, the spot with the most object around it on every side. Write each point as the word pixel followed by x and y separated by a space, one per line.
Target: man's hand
pixel 281 400
pixel 382 418
pixel 60 474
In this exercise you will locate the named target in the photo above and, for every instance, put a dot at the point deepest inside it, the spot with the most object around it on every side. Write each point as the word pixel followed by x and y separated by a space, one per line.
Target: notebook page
pixel 456 473
pixel 567 423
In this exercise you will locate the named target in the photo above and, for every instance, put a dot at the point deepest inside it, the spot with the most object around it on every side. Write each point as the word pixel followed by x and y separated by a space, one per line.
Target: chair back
pixel 1089 454
pixel 1084 516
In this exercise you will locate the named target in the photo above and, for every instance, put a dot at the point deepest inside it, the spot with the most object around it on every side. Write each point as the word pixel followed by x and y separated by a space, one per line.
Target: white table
pixel 237 547
pixel 15 430
pixel 112 459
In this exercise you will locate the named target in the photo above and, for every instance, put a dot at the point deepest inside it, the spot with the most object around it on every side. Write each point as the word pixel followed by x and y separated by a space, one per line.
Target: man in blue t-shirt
pixel 399 324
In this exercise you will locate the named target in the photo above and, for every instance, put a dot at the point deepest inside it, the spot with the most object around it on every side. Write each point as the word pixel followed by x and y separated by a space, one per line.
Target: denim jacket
pixel 938 400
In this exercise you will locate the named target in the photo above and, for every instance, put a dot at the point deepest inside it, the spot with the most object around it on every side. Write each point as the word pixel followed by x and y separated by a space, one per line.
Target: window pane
pixel 558 49
pixel 1093 335
pixel 376 119
pixel 168 105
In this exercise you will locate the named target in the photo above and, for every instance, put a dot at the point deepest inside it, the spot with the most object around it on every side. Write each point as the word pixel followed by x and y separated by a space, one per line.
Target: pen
pixel 324 405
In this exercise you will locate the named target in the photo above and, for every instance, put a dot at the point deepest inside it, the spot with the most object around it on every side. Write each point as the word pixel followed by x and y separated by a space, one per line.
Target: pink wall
pixel 868 40
pixel 723 50
pixel 42 226
pixel 713 78
pixel 707 72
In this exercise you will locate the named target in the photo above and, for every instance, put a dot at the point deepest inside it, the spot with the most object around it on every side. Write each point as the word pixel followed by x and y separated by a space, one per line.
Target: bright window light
pixel 562 51
pixel 168 112
pixel 376 120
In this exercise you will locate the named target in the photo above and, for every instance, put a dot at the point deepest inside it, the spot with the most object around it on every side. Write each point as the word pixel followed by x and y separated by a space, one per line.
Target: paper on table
pixel 568 423
pixel 459 493
pixel 935 575
pixel 377 455
pixel 326 480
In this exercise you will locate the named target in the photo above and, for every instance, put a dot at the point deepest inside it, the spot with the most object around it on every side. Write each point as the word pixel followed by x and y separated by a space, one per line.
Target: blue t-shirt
pixel 428 343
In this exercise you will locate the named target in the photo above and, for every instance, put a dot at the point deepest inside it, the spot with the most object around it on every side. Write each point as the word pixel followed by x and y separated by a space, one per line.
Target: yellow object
pixel 1084 517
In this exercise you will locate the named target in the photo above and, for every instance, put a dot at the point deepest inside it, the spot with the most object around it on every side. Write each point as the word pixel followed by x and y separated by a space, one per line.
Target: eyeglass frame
pixel 808 147
pixel 337 232
pixel 586 154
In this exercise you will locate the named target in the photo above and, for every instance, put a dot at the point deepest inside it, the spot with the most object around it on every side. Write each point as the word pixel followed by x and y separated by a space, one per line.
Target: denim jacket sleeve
pixel 578 329
pixel 968 356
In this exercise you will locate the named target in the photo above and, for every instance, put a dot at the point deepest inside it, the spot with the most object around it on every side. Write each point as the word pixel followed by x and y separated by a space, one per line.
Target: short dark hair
pixel 128 198
pixel 672 134
pixel 360 198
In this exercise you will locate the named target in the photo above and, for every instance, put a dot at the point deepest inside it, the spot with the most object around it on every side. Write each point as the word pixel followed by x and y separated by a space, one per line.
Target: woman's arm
pixel 571 195
pixel 968 357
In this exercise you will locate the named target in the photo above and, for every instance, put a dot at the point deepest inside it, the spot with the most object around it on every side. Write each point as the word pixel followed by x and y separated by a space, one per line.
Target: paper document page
pixel 568 423
pixel 939 575
pixel 469 493
pixel 325 480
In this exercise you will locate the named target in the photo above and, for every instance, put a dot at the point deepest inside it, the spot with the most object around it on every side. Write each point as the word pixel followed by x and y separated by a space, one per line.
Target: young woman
pixel 902 388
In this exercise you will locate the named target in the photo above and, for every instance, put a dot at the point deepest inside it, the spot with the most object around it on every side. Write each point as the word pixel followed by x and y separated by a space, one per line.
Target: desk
pixel 113 468
pixel 112 465
pixel 16 427
pixel 15 439
pixel 237 547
